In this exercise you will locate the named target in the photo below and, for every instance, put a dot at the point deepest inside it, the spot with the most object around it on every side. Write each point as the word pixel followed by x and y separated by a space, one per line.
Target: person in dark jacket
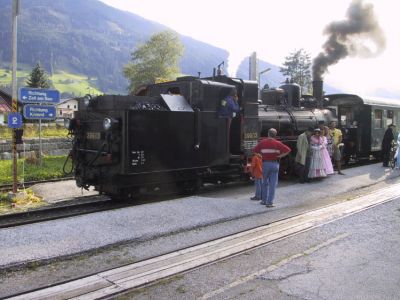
pixel 228 109
pixel 387 144
pixel 229 106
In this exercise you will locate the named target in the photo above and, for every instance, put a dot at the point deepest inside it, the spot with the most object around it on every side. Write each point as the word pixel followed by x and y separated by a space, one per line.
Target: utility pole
pixel 253 66
pixel 15 12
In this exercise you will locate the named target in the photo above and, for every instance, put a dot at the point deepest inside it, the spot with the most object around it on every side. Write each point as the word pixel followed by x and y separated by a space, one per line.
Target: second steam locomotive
pixel 173 136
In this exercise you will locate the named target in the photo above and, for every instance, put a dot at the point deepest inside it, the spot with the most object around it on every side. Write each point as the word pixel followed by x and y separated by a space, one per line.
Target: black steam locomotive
pixel 172 135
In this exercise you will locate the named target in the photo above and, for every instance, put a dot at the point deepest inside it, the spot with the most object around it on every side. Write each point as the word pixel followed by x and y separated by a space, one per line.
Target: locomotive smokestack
pixel 345 38
pixel 318 91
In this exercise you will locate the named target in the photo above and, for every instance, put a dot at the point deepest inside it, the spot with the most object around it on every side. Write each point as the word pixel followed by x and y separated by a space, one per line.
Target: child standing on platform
pixel 257 174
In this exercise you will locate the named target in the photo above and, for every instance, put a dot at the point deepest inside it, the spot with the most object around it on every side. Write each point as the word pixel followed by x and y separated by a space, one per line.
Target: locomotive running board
pixel 122 279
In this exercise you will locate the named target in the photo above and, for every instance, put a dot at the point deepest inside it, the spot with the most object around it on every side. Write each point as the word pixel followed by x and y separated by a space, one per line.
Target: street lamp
pixel 259 79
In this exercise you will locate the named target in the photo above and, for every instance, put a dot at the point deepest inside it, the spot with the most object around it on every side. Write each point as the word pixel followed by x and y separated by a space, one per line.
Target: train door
pixel 350 130
pixel 377 128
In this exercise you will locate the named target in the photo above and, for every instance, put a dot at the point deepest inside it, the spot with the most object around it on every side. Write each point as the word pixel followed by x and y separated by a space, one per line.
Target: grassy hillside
pixel 67 83
pixel 77 85
pixel 6 76
pixel 88 37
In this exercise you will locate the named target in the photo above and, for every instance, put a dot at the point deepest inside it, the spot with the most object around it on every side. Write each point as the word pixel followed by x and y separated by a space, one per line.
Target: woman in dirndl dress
pixel 317 164
pixel 327 156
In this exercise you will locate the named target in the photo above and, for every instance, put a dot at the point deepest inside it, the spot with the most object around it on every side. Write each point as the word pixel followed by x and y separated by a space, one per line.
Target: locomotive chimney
pixel 318 92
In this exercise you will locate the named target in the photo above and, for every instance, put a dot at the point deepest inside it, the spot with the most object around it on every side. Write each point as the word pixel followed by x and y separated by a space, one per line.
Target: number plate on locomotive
pixel 93 135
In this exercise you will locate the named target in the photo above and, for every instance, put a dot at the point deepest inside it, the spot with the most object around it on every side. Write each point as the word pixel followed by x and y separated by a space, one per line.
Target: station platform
pixel 68 237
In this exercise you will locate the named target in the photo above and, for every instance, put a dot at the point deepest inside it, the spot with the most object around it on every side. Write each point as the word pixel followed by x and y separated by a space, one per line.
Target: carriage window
pixel 346 116
pixel 389 118
pixel 378 118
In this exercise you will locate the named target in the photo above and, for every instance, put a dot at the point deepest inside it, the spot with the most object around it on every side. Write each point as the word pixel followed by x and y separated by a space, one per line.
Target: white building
pixel 66 108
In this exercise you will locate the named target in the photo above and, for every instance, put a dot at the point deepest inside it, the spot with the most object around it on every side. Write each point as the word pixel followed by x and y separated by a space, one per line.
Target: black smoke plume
pixel 358 35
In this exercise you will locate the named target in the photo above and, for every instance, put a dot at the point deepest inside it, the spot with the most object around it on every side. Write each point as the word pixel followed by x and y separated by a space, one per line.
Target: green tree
pixel 38 78
pixel 297 66
pixel 155 61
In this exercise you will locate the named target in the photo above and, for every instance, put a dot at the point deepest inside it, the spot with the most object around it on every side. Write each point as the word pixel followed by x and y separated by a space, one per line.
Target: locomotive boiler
pixel 290 112
pixel 172 136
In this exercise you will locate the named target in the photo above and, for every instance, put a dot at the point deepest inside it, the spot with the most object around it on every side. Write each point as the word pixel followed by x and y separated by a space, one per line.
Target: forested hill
pixel 90 38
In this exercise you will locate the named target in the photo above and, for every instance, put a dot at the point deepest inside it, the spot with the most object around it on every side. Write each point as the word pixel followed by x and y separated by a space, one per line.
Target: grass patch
pixel 52 167
pixel 32 131
pixel 23 201
pixel 65 82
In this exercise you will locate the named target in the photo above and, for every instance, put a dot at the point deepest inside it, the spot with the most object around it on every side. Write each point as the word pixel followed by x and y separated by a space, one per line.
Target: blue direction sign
pixel 39 112
pixel 32 95
pixel 14 120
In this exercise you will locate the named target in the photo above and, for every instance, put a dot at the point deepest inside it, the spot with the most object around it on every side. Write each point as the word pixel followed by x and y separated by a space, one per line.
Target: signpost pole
pixel 14 88
pixel 40 142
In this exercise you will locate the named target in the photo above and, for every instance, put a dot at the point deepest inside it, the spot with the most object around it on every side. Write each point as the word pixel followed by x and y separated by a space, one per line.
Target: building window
pixel 378 119
pixel 68 106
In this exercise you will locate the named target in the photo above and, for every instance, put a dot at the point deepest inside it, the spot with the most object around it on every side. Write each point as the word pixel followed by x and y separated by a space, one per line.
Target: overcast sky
pixel 275 28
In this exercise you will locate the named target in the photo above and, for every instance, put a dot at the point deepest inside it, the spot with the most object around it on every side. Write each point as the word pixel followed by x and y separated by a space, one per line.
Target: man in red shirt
pixel 271 150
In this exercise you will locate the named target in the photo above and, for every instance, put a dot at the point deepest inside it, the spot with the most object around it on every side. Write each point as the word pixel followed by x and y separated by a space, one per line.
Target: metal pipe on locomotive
pixel 171 135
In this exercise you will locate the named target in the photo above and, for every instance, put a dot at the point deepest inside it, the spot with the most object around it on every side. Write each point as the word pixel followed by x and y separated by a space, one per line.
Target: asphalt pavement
pixel 64 237
pixel 151 229
pixel 357 257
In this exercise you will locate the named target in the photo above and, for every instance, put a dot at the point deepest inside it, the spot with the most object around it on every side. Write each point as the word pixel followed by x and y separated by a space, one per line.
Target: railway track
pixel 68 208
pixel 87 204
pixel 8 187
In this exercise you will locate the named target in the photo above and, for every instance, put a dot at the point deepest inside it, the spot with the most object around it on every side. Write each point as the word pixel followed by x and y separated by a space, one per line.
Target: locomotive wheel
pixel 190 187
pixel 125 195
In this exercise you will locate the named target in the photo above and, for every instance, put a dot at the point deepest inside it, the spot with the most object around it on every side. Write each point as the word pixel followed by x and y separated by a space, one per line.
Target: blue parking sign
pixel 14 120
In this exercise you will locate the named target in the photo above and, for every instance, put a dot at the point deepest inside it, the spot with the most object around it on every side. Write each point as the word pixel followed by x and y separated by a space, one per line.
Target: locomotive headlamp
pixel 109 123
pixel 69 123
pixel 87 99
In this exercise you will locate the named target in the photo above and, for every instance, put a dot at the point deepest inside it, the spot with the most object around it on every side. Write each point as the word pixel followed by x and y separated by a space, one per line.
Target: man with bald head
pixel 271 151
